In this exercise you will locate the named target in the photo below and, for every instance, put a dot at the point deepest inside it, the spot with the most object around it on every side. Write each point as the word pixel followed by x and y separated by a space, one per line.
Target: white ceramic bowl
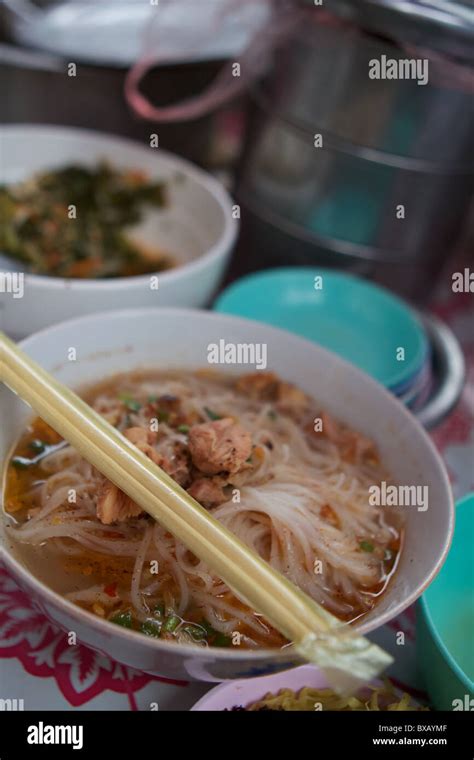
pixel 197 228
pixel 110 342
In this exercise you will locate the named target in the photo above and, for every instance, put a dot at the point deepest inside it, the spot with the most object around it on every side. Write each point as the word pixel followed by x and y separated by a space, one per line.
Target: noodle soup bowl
pixel 113 342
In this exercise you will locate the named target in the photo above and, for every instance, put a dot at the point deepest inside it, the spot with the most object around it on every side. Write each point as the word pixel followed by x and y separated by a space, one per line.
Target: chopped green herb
pixel 123 618
pixel 183 428
pixel 36 228
pixel 207 627
pixel 21 463
pixel 273 415
pixel 152 399
pixel 170 624
pixel 151 628
pixel 37 445
pixel 130 402
pixel 212 415
pixel 221 640
pixel 366 546
pixel 162 416
pixel 159 609
pixel 215 638
pixel 195 631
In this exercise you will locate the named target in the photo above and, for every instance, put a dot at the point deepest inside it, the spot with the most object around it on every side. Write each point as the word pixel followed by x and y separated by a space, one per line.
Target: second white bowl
pixel 197 228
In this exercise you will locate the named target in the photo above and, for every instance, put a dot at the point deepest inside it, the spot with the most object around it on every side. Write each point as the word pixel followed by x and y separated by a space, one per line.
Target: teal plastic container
pixel 360 321
pixel 445 621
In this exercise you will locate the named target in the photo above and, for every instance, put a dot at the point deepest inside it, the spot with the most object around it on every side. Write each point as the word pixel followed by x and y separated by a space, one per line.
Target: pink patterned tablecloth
pixel 38 666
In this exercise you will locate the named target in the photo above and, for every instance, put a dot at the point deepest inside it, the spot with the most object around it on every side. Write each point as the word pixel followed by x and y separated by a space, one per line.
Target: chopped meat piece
pixel 289 397
pixel 328 514
pixel 220 446
pixel 142 439
pixel 352 445
pixel 359 447
pixel 115 506
pixel 167 408
pixel 177 465
pixel 259 385
pixel 170 401
pixel 139 435
pixel 265 386
pixel 331 428
pixel 112 504
pixel 208 492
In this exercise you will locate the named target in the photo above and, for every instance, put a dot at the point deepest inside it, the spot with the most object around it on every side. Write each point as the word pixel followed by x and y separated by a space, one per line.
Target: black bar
pixel 146 735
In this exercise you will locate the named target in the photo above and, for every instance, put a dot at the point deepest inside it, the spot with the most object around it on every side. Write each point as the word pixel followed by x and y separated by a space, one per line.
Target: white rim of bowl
pixel 223 653
pixel 206 180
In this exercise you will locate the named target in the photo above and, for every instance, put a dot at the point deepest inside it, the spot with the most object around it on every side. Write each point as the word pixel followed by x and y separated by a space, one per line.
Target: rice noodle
pixel 279 514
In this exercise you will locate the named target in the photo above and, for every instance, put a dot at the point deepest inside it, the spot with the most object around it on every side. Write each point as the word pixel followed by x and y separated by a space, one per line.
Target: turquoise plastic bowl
pixel 361 322
pixel 445 621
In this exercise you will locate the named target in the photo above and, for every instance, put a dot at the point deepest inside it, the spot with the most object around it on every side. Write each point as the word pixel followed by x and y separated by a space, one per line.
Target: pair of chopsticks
pixel 347 659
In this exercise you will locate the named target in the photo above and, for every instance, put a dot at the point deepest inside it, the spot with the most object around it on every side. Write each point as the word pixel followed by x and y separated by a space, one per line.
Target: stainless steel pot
pixel 390 149
pixel 445 25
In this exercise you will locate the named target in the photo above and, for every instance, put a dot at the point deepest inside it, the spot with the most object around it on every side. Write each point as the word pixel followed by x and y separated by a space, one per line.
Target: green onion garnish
pixel 130 402
pixel 151 628
pixel 170 624
pixel 215 638
pixel 221 640
pixel 212 415
pixel 366 546
pixel 123 618
pixel 195 631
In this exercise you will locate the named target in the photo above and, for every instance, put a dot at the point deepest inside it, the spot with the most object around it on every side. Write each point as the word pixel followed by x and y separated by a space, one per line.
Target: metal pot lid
pixel 443 25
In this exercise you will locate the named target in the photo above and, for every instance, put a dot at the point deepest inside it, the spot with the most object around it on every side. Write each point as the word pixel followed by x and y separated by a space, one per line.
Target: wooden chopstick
pixel 347 658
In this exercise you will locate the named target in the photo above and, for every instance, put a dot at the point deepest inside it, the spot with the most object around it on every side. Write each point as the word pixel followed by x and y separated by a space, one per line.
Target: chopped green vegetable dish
pixel 72 222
